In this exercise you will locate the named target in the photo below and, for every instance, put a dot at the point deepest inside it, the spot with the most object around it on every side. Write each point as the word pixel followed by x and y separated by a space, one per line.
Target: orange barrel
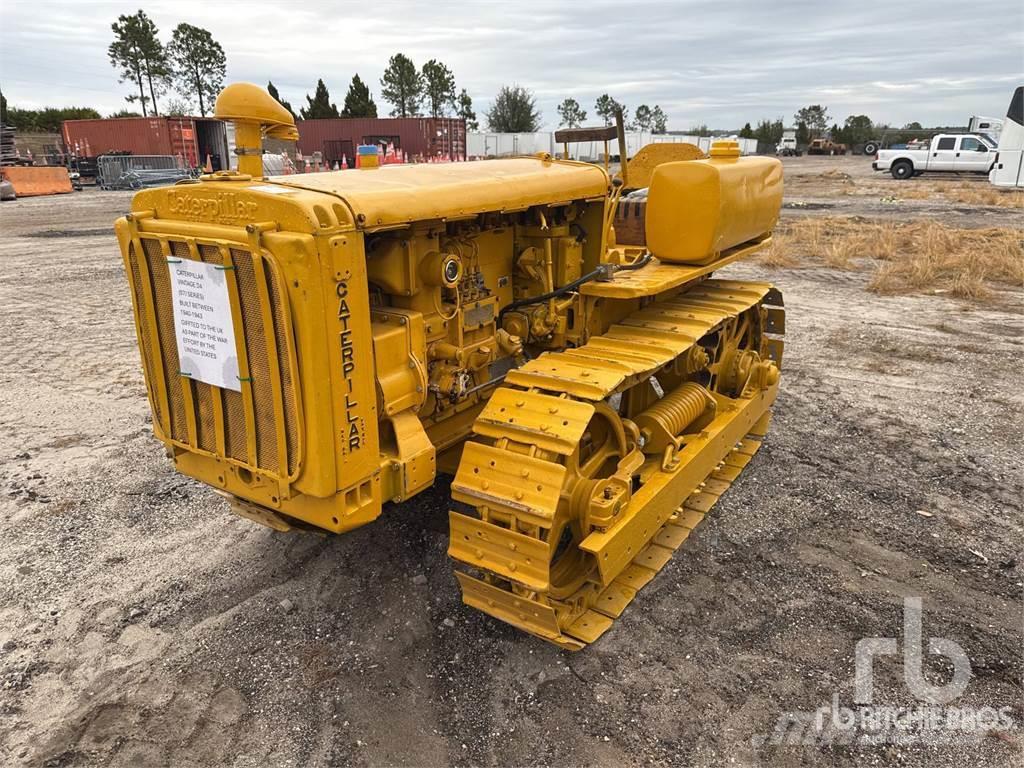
pixel 696 209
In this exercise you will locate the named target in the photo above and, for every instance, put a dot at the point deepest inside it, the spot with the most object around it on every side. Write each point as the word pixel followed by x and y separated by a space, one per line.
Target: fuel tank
pixel 697 209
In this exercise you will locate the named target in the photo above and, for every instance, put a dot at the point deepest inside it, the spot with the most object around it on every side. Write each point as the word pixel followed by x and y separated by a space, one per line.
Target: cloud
pixel 714 63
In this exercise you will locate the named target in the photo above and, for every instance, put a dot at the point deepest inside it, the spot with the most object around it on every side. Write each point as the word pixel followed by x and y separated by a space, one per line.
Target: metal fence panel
pixel 139 171
pixel 513 144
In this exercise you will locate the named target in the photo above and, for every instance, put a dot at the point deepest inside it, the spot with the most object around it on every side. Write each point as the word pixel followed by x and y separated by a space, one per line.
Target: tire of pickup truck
pixel 870 148
pixel 902 170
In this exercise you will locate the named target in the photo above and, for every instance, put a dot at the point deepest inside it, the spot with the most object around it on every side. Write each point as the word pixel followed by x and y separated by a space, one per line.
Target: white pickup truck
pixel 957 153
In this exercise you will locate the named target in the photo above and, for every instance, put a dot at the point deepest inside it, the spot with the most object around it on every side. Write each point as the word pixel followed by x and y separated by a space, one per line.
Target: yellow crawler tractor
pixel 317 345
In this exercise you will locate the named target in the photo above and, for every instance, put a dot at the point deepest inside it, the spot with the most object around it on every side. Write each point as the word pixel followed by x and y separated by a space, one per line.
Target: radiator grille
pixel 227 436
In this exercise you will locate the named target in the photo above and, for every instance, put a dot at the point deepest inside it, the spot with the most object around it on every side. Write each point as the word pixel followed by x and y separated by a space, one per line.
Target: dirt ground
pixel 143 624
pixel 847 186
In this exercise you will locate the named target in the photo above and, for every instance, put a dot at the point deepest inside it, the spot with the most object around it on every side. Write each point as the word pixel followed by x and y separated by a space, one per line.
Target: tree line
pixel 812 122
pixel 410 91
pixel 644 118
pixel 47 120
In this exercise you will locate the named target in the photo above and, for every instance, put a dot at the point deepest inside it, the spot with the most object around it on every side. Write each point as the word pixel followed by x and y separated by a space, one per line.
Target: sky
pixel 720 64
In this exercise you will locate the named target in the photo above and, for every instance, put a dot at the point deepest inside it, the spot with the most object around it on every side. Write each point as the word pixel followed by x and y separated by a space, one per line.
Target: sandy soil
pixel 143 624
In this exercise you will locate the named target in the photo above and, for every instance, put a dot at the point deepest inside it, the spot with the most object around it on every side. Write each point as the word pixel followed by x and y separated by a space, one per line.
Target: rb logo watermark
pixel 930 722
pixel 868 648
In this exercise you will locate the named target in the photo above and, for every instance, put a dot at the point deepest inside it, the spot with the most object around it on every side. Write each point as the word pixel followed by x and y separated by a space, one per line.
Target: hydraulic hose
pixel 604 271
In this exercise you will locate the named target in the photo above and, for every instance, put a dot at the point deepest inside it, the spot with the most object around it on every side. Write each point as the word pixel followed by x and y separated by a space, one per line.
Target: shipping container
pixel 416 136
pixel 188 138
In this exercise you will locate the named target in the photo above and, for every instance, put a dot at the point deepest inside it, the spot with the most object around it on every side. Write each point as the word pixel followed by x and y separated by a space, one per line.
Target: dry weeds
pixel 949 190
pixel 914 257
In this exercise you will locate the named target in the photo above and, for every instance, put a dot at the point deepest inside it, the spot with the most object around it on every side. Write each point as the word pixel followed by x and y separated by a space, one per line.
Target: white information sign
pixel 203 325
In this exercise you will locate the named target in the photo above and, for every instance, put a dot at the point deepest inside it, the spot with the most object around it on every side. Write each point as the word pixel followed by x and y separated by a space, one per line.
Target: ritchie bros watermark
pixel 933 719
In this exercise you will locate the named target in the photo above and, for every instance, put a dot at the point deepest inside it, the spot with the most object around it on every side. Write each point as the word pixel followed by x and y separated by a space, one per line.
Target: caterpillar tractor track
pixel 316 346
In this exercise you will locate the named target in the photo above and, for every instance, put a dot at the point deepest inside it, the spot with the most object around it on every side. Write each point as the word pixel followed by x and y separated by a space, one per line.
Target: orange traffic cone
pixel 208 168
pixel 344 162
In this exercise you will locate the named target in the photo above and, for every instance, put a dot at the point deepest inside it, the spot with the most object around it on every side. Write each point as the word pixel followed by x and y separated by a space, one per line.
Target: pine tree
pixel 803 134
pixel 272 90
pixel 464 109
pixel 438 87
pixel 199 63
pixel 402 86
pixel 659 120
pixel 137 52
pixel 642 117
pixel 571 113
pixel 815 117
pixel 606 106
pixel 770 131
pixel 358 101
pixel 320 105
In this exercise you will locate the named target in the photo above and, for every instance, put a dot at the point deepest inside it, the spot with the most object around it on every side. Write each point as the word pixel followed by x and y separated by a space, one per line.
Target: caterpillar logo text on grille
pixel 224 206
pixel 353 434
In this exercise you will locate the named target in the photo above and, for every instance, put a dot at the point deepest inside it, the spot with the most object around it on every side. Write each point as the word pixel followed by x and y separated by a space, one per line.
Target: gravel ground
pixel 846 186
pixel 143 624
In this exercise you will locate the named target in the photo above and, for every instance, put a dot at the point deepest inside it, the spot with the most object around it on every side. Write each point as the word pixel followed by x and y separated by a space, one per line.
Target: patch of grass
pixel 913 257
pixel 983 194
pixel 779 253
pixel 840 253
pixel 937 188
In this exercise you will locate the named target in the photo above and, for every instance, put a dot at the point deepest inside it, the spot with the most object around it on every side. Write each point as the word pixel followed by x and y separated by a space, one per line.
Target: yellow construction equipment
pixel 317 345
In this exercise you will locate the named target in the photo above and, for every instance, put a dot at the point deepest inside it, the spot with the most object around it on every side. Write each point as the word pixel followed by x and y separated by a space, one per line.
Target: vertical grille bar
pixel 205 394
pixel 262 384
pixel 274 364
pixel 150 364
pixel 242 348
pixel 163 314
pixel 212 255
pixel 282 335
pixel 176 378
pixel 148 328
